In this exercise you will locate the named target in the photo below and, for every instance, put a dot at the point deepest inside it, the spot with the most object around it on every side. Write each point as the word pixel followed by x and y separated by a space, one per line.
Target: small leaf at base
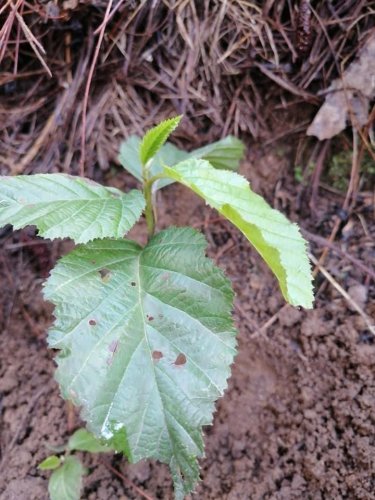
pixel 65 482
pixel 50 463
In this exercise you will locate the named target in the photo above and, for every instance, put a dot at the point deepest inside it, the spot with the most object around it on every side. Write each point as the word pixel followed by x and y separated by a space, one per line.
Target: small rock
pixel 238 449
pixel 310 414
pixel 298 481
pixel 359 294
pixel 289 316
pixel 308 395
pixel 9 381
pixel 140 472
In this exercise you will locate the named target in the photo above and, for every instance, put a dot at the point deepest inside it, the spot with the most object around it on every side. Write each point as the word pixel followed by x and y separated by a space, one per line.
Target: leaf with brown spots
pixel 160 353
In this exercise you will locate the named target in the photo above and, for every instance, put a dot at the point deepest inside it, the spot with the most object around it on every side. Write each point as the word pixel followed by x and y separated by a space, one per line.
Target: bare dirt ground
pixel 297 420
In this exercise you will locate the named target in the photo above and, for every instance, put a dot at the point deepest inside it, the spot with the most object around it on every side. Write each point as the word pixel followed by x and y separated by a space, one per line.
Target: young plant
pixel 145 334
pixel 65 482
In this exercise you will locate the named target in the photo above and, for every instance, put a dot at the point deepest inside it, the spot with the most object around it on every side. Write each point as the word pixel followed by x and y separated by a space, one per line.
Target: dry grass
pixel 229 66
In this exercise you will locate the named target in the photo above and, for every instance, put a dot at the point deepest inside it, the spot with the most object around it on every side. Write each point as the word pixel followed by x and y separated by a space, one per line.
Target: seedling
pixel 145 334
pixel 65 482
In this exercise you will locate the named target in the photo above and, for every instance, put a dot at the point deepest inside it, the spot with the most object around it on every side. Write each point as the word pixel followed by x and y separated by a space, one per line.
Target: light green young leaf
pixel 63 206
pixel 65 482
pixel 83 440
pixel 277 240
pixel 147 349
pixel 50 463
pixel 168 154
pixel 226 153
pixel 156 137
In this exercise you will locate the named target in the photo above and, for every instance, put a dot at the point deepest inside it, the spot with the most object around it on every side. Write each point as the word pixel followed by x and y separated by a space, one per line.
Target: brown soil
pixel 297 420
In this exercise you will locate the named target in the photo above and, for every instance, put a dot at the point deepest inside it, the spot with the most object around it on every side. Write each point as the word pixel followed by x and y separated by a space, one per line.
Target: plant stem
pixel 149 211
pixel 147 192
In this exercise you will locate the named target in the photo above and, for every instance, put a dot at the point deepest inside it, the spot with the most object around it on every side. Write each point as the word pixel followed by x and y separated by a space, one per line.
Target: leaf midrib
pixel 149 349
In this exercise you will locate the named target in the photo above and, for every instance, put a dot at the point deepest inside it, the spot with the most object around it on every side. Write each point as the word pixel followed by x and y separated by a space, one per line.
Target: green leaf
pixel 83 440
pixel 63 206
pixel 66 482
pixel 49 463
pixel 156 137
pixel 225 153
pixel 147 351
pixel 277 240
pixel 167 155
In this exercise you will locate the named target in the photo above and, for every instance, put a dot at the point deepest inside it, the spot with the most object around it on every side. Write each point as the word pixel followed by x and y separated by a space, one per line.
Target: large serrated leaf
pixel 146 340
pixel 156 137
pixel 225 153
pixel 63 206
pixel 277 240
pixel 65 482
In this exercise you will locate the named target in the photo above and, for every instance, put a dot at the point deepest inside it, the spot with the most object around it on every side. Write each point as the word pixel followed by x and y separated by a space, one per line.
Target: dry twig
pixel 370 325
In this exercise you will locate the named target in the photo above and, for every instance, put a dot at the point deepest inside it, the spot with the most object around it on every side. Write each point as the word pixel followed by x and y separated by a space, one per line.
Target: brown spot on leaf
pixel 156 355
pixel 180 360
pixel 150 318
pixel 93 262
pixel 92 322
pixel 113 346
pixel 165 276
pixel 105 274
pixel 133 283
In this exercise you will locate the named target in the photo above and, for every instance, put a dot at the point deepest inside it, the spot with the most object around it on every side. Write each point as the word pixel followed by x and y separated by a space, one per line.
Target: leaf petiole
pixel 148 194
